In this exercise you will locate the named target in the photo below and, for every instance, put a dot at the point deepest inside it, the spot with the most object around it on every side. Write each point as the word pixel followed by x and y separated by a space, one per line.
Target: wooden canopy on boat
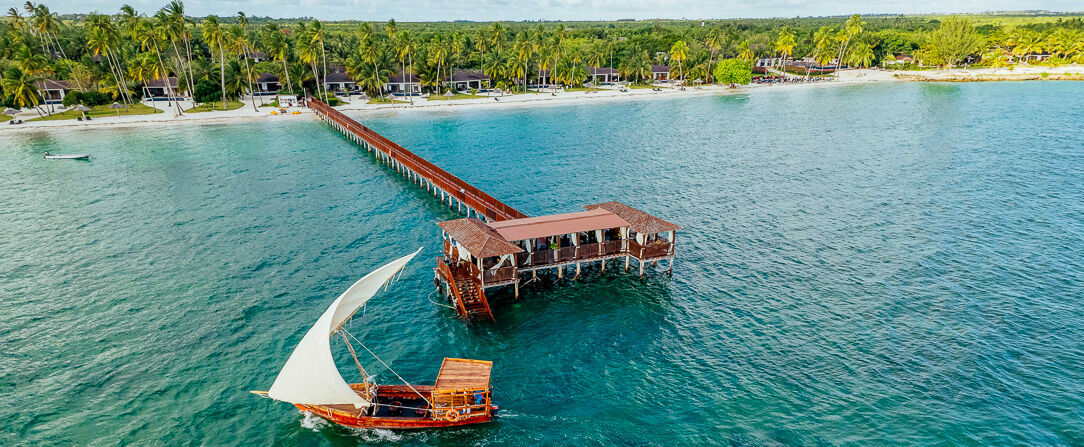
pixel 457 374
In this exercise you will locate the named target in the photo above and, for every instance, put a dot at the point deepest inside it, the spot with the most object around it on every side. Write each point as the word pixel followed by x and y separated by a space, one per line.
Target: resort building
pixel 52 92
pixel 543 78
pixel 603 74
pixel 403 83
pixel 338 82
pixel 159 89
pixel 267 83
pixel 464 80
pixel 479 255
pixel 660 72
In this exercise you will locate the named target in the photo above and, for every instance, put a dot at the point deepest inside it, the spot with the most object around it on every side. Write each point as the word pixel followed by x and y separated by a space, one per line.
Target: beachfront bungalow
pixel 159 89
pixel 464 80
pixel 479 255
pixel 603 74
pixel 403 83
pixel 660 72
pixel 52 92
pixel 267 83
pixel 543 78
pixel 338 82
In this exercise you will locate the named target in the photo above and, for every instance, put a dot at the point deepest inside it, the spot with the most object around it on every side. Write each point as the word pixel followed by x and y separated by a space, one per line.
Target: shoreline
pixel 607 94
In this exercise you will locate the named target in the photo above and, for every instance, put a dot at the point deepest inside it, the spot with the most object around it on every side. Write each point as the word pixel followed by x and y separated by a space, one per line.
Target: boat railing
pixel 459 403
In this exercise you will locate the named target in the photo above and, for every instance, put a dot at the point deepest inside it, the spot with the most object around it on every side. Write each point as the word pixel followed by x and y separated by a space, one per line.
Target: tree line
pixel 220 58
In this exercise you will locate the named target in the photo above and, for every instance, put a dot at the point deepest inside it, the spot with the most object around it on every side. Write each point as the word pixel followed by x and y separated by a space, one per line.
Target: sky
pixel 516 10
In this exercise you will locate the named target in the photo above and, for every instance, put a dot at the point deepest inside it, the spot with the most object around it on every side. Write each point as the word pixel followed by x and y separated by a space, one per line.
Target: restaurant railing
pixel 500 275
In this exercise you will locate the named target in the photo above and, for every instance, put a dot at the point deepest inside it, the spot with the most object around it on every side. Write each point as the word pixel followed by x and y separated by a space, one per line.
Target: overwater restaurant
pixel 480 255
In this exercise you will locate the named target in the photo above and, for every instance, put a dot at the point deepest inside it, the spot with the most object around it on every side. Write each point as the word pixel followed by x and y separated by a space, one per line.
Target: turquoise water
pixel 885 264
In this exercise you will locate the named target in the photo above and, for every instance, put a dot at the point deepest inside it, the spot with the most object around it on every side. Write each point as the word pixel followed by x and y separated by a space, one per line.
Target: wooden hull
pixel 346 415
pixel 394 423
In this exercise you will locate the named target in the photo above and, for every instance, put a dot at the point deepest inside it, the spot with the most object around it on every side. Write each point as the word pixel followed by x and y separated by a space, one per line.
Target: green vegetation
pixel 457 96
pixel 215 106
pixel 379 100
pixel 4 118
pixel 100 111
pixel 733 72
pixel 211 57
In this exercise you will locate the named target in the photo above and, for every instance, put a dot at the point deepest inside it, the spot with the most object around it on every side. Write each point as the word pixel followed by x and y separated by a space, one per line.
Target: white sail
pixel 309 375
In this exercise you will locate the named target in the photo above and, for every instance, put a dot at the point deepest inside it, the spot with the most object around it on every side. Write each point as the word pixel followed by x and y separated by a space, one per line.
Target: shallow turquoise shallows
pixel 868 265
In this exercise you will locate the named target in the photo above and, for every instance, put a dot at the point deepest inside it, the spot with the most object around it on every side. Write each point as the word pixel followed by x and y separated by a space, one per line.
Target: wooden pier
pixel 452 191
pixel 495 245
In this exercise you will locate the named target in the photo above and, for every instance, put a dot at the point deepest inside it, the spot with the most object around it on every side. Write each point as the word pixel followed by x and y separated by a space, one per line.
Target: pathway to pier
pixel 451 190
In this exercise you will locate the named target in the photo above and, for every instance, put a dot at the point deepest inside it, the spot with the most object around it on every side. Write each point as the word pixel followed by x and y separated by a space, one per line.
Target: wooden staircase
pixel 475 306
pixel 466 290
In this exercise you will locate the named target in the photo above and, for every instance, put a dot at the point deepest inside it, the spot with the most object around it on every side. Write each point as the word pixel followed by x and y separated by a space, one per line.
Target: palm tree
pixel 213 35
pixel 785 45
pixel 309 54
pixel 22 87
pixel 370 54
pixel 47 25
pixel 438 54
pixel 524 49
pixel 679 52
pixel 496 32
pixel 278 48
pixel 241 45
pixel 481 44
pixel 714 43
pixel 148 37
pixel 102 38
pixel 746 53
pixel 861 55
pixel 822 42
pixel 595 58
pixel 316 33
pixel 1029 42
pixel 179 30
pixel 851 28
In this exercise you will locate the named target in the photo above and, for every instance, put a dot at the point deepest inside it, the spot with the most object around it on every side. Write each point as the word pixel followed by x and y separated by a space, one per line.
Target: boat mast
pixel 364 377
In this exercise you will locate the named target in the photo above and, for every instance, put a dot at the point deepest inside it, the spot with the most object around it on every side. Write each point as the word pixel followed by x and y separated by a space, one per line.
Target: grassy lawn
pixel 274 103
pixel 457 96
pixel 215 105
pixel 4 118
pixel 377 100
pixel 100 111
pixel 641 86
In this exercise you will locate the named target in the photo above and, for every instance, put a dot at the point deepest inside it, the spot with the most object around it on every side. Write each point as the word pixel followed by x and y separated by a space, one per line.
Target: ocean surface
pixel 897 264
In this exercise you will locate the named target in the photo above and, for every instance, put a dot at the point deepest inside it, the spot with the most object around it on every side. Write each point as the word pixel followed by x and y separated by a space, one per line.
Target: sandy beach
pixel 608 93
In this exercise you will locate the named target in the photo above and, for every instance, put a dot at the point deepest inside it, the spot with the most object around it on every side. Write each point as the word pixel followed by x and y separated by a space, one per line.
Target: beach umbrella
pixel 10 111
pixel 449 94
pixel 116 107
pixel 82 109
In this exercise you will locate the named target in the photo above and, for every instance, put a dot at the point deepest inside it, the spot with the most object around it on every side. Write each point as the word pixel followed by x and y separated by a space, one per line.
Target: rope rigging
pixel 386 366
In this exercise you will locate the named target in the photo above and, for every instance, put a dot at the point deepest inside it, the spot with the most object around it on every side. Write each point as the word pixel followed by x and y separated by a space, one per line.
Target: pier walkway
pixel 451 190
pixel 495 245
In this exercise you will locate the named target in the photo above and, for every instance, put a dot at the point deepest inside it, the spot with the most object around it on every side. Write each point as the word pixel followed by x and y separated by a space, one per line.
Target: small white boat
pixel 68 157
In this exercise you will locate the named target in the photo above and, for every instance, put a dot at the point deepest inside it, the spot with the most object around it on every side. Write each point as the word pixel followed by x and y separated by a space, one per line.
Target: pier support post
pixel 626 263
pixel 577 269
pixel 641 269
pixel 560 271
pixel 516 286
pixel 603 262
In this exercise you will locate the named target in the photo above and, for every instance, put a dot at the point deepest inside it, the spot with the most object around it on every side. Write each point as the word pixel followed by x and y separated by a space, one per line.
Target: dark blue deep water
pixel 870 265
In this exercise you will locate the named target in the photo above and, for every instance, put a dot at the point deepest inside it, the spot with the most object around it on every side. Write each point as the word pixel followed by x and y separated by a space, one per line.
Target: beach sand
pixel 360 106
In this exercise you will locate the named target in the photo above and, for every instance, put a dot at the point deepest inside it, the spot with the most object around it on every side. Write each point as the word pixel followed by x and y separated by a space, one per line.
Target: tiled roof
pixel 468 75
pixel 479 239
pixel 660 68
pixel 267 77
pixel 399 78
pixel 49 84
pixel 639 221
pixel 338 76
pixel 557 224
pixel 161 82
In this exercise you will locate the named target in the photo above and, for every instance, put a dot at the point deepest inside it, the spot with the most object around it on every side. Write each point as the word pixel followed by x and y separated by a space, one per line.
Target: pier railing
pixel 472 197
